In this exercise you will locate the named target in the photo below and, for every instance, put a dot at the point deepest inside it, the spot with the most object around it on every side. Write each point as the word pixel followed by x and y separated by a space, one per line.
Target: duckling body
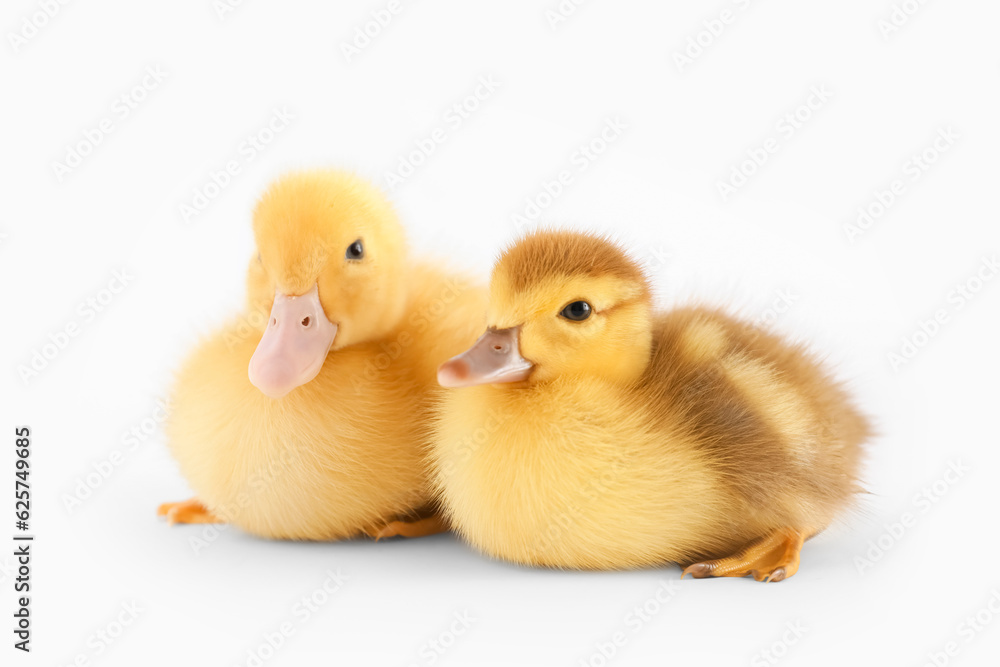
pixel 341 453
pixel 638 439
pixel 563 480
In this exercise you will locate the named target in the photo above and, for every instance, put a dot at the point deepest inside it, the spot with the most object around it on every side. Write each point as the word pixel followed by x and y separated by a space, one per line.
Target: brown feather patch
pixel 543 254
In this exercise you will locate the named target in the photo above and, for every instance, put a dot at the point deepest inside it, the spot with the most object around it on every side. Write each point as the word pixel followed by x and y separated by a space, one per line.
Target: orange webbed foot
pixel 431 525
pixel 188 511
pixel 773 558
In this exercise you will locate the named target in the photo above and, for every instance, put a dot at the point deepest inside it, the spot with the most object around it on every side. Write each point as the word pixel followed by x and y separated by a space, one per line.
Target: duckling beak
pixel 294 345
pixel 494 359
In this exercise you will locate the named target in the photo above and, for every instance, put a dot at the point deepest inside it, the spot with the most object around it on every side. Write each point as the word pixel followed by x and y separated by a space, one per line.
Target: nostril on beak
pixel 305 321
pixel 274 322
pixel 498 348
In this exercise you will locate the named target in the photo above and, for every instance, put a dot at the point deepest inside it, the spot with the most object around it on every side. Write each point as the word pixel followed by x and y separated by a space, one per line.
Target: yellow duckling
pixel 591 433
pixel 314 425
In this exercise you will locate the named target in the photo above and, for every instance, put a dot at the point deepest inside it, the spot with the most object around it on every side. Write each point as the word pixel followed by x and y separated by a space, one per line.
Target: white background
pixel 867 593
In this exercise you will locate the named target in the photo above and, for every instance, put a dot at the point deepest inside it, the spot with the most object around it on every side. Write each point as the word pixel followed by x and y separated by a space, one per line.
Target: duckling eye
pixel 577 311
pixel 355 250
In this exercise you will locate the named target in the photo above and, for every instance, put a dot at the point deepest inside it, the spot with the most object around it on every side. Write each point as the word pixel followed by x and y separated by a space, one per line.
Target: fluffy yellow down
pixel 344 453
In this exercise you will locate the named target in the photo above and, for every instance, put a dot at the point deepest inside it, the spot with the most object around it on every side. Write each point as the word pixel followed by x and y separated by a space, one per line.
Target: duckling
pixel 583 430
pixel 307 417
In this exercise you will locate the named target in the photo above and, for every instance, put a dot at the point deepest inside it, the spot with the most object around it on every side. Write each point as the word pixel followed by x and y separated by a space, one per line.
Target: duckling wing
pixel 780 433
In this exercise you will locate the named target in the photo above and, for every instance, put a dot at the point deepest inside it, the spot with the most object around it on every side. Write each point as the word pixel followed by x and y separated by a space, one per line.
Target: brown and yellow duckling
pixel 586 431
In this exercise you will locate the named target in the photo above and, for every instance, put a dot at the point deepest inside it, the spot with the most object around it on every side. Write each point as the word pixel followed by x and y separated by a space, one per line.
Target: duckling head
pixel 330 269
pixel 561 304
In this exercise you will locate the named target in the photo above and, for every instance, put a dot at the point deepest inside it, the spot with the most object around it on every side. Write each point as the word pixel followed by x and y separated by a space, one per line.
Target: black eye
pixel 577 311
pixel 355 250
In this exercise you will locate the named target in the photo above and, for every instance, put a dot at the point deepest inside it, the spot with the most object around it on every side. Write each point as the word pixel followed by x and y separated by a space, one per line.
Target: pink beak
pixel 294 346
pixel 494 359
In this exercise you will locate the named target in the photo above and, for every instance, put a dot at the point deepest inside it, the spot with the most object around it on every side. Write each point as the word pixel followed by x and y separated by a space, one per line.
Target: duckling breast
pixel 330 458
pixel 572 474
